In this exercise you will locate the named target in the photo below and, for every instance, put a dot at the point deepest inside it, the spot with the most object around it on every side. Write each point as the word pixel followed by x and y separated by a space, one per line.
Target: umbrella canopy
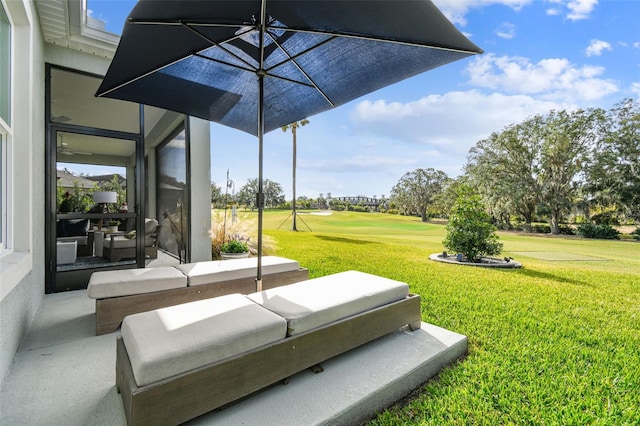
pixel 257 65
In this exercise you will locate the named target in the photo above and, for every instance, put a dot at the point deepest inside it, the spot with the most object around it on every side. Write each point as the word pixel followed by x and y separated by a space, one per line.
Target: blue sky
pixel 539 55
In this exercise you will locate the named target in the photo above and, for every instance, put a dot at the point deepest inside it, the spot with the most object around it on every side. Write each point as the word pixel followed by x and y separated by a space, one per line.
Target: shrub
pixel 541 229
pixel 225 229
pixel 604 232
pixel 636 233
pixel 605 218
pixel 469 230
pixel 566 230
pixel 234 246
pixel 580 218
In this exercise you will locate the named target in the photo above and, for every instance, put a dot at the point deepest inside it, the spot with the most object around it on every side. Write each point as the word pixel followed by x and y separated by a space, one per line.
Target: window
pixel 5 67
pixel 5 121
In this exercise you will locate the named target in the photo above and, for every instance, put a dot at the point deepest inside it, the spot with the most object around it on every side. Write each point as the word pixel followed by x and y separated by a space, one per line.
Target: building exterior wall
pixel 22 265
pixel 200 159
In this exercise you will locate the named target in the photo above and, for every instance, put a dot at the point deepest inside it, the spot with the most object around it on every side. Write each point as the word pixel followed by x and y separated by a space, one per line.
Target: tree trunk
pixel 555 217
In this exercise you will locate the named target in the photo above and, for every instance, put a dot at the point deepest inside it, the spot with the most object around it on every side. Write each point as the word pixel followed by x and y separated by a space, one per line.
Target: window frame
pixel 5 148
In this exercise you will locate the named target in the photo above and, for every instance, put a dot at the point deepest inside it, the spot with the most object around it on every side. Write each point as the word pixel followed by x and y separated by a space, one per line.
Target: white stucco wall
pixel 200 190
pixel 22 267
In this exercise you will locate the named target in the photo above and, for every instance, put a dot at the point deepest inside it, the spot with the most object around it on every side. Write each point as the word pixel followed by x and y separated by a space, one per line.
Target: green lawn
pixel 557 342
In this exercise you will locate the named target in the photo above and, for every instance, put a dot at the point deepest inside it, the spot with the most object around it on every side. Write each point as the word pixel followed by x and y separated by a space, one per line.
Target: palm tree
pixel 293 126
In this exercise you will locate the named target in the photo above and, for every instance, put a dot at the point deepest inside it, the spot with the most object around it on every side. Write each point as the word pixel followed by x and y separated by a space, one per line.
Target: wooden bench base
pixel 185 396
pixel 110 312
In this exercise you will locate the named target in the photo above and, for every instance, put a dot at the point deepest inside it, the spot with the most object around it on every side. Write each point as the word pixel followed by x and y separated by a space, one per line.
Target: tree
pixel 447 198
pixel 216 194
pixel 504 168
pixel 418 189
pixel 294 126
pixel 469 230
pixel 535 165
pixel 273 194
pixel 566 139
pixel 613 169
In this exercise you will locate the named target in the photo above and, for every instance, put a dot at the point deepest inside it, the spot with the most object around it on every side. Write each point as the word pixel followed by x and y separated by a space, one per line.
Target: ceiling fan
pixel 63 148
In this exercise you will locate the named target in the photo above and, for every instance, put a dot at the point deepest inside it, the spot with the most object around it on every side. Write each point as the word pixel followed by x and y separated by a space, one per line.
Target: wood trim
pixel 186 396
pixel 110 312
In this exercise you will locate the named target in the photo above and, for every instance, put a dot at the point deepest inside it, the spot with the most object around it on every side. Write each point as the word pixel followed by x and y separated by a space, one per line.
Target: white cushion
pixel 170 341
pixel 215 271
pixel 81 240
pixel 310 304
pixel 126 282
pixel 120 241
pixel 150 225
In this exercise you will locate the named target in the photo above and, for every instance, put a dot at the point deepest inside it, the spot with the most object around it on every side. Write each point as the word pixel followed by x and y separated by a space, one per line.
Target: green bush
pixel 604 232
pixel 541 229
pixel 605 218
pixel 636 233
pixel 470 231
pixel 566 230
pixel 234 246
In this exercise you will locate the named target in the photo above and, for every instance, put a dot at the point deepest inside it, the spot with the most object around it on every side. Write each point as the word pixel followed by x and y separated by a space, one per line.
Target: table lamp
pixel 104 198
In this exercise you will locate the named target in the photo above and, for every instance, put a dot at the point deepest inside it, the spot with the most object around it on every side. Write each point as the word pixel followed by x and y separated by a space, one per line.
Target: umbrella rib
pixel 306 30
pixel 201 56
pixel 293 61
pixel 302 83
pixel 143 75
pixel 220 46
pixel 378 39
pixel 180 22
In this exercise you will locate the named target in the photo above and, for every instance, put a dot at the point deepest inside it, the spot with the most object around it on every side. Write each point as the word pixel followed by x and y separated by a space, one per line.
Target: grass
pixel 557 342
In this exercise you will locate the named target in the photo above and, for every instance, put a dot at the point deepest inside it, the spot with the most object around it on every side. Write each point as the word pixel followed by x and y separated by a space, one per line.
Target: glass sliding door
pixel 94 180
pixel 94 187
pixel 172 195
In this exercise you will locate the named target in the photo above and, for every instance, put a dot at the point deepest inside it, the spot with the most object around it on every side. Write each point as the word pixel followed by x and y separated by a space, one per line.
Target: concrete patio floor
pixel 64 375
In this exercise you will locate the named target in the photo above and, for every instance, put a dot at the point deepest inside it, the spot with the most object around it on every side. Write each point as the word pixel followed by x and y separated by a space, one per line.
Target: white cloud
pixel 553 11
pixel 580 9
pixel 364 163
pixel 635 88
pixel 596 47
pixel 575 9
pixel 636 44
pixel 447 124
pixel 551 79
pixel 507 31
pixel 456 11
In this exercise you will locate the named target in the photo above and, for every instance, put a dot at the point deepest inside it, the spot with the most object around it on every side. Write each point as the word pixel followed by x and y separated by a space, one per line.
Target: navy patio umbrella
pixel 257 65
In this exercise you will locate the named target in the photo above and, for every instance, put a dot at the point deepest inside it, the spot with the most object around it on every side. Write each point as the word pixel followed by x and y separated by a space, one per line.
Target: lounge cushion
pixel 310 304
pixel 150 226
pixel 126 282
pixel 120 241
pixel 72 227
pixel 214 271
pixel 173 340
pixel 81 240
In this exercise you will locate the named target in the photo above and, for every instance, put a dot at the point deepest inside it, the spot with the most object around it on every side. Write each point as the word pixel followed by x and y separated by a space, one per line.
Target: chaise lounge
pixel 176 363
pixel 118 246
pixel 129 291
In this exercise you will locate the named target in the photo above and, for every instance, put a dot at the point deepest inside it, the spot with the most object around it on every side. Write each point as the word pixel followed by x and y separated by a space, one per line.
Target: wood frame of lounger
pixel 111 311
pixel 188 395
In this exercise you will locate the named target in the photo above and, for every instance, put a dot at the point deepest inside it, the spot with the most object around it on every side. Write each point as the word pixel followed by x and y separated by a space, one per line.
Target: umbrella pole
pixel 260 196
pixel 261 74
